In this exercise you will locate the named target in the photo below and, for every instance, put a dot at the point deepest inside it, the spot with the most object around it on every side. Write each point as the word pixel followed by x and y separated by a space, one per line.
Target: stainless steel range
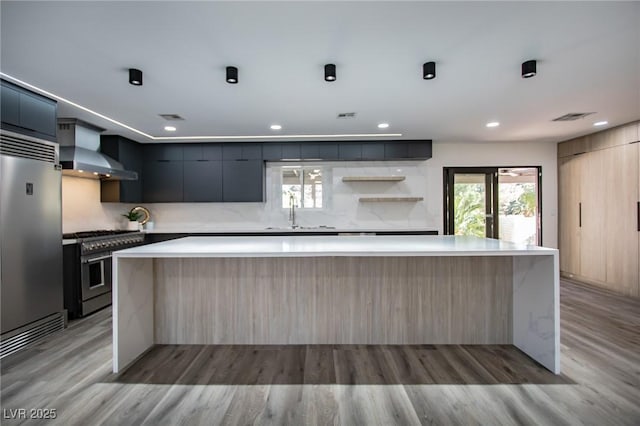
pixel 87 268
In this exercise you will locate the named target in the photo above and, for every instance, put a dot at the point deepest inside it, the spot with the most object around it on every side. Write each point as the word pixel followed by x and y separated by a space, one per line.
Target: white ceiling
pixel 588 60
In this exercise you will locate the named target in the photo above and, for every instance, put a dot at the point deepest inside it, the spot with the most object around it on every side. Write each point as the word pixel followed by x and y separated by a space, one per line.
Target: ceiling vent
pixel 572 116
pixel 171 117
pixel 347 115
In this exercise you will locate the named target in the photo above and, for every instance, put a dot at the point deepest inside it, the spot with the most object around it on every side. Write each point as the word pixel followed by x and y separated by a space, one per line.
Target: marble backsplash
pixel 82 209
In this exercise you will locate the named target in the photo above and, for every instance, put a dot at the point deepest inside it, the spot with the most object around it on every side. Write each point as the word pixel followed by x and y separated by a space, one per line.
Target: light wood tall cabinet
pixel 599 192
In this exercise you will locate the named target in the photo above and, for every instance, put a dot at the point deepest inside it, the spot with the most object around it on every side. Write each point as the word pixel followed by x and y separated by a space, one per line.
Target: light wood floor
pixel 368 385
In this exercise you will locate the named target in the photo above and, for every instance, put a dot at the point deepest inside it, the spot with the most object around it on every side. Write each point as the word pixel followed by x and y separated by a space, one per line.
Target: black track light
pixel 232 75
pixel 529 69
pixel 429 70
pixel 330 72
pixel 135 77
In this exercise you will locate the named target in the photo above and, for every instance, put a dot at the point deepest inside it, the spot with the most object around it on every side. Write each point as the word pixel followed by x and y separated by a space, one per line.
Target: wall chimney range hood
pixel 80 152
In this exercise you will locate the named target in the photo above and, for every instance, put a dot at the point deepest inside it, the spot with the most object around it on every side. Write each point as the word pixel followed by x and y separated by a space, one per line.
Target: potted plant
pixel 133 217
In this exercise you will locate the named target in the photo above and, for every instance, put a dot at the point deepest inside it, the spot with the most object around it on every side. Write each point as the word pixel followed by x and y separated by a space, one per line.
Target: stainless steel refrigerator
pixel 30 241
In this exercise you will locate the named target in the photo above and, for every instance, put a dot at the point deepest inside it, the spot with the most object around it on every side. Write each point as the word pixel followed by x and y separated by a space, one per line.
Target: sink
pixel 303 228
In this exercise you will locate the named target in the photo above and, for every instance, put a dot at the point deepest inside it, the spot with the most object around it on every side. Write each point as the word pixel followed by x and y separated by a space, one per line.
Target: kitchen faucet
pixel 292 210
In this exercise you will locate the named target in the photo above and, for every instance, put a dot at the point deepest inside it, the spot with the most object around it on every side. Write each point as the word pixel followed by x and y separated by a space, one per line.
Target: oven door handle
pixel 97 259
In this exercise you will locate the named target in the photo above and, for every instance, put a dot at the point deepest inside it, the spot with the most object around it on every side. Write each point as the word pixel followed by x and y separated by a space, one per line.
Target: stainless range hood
pixel 80 152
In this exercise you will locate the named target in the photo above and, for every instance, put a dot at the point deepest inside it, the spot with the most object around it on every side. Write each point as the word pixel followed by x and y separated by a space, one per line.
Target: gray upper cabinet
pixel 319 151
pixel 373 151
pixel 162 181
pixel 291 151
pixel 350 151
pixel 242 151
pixel 203 181
pixel 28 113
pixel 129 153
pixel 396 150
pixel 243 180
pixel 10 105
pixel 162 173
pixel 164 152
pixel 271 151
pixel 202 152
pixel 419 149
pixel 407 150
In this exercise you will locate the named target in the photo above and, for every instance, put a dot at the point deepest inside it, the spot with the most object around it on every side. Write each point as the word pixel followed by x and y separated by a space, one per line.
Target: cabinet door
pixel 130 155
pixel 163 152
pixel 162 181
pixel 202 151
pixel 350 151
pixel 569 170
pixel 396 150
pixel 242 151
pixel 192 152
pixel 271 151
pixel 291 151
pixel 621 217
pixel 319 151
pixel 419 150
pixel 202 181
pixel 10 106
pixel 242 181
pixel 373 151
pixel 593 196
pixel 38 114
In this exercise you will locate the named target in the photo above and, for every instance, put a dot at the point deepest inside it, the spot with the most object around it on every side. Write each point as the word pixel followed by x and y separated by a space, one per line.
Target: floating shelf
pixel 390 199
pixel 373 178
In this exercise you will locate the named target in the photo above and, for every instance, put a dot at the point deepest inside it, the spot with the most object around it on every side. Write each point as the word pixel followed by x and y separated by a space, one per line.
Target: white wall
pixel 82 209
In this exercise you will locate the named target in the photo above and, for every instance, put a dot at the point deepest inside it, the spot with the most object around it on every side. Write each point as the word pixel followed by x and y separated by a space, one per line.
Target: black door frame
pixel 491 201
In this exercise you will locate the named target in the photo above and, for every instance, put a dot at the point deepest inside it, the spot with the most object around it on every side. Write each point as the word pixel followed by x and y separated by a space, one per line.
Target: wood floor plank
pixel 340 384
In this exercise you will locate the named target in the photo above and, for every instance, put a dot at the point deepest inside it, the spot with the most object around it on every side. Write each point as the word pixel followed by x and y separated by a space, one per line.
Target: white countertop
pixel 320 245
pixel 278 230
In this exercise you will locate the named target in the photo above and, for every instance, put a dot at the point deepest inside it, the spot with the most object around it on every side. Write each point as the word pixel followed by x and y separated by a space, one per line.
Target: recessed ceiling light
pixel 493 124
pixel 95 173
pixel 383 125
pixel 108 175
pixel 170 128
pixel 80 171
pixel 276 127
pixel 600 123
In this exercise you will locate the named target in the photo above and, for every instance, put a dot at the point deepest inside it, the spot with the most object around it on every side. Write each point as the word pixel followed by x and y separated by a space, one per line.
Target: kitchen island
pixel 336 290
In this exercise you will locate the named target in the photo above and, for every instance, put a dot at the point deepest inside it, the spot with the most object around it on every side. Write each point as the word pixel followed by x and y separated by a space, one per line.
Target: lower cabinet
pixel 242 181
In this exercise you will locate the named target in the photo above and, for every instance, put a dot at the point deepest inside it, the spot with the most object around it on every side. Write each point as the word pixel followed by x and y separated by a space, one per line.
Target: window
pixel 302 185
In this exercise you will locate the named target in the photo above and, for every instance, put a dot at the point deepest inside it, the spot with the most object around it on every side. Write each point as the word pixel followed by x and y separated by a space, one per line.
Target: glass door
pixel 519 205
pixel 493 202
pixel 470 202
